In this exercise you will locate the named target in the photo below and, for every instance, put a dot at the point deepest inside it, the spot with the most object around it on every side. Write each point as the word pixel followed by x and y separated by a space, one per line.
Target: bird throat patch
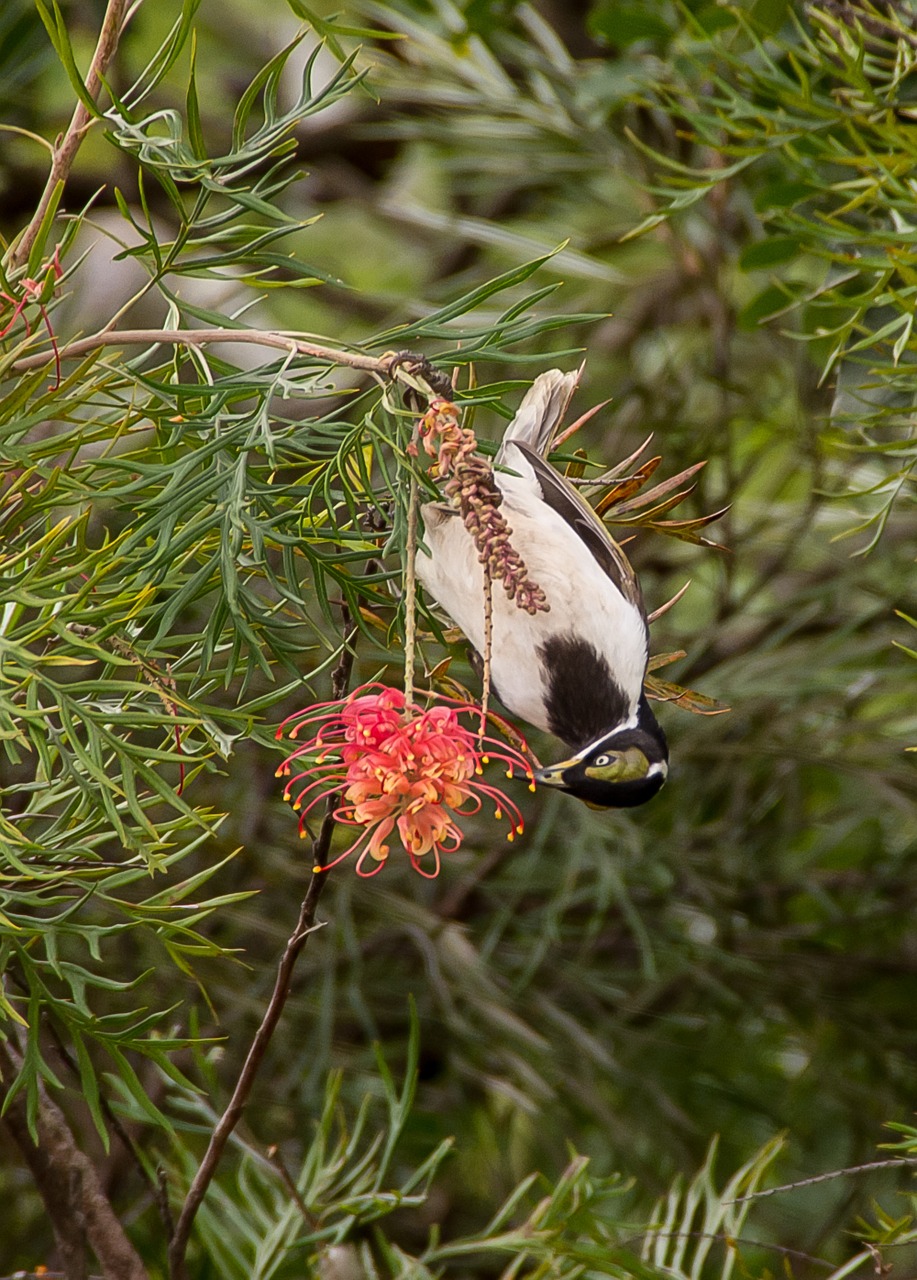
pixel 582 697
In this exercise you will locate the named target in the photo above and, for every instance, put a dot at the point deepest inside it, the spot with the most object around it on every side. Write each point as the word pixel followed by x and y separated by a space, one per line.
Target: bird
pixel 577 669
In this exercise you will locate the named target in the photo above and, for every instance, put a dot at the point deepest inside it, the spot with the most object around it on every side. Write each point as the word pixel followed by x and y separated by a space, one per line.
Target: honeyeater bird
pixel 577 669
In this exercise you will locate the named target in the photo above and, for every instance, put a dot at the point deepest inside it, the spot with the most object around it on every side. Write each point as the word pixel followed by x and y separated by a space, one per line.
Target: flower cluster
pixel 470 487
pixel 392 767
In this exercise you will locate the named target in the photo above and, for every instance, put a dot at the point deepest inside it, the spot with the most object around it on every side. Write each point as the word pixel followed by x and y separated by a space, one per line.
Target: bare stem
pixel 296 942
pixel 65 150
pixel 289 342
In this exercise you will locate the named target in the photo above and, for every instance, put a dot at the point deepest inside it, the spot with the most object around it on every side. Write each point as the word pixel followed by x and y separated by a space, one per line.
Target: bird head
pixel 624 768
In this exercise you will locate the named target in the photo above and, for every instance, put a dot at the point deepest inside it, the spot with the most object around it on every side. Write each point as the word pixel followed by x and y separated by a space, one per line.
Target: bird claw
pixel 418 366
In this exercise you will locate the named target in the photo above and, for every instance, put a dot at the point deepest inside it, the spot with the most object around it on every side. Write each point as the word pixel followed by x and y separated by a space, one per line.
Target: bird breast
pixel 589 624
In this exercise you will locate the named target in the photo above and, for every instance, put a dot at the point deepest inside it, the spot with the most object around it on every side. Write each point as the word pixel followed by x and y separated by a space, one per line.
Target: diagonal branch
pixel 305 925
pixel 289 342
pixel 392 364
pixel 65 150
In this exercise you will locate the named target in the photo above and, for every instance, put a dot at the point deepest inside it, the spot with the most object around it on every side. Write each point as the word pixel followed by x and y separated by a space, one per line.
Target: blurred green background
pixel 739 958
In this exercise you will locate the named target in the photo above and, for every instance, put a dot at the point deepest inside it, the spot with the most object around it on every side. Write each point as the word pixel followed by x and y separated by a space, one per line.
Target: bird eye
pixel 599 761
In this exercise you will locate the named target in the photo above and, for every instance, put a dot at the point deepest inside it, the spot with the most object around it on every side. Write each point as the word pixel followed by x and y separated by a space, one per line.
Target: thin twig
pixel 289 342
pixel 305 925
pixel 65 150
pixel 276 1159
pixel 826 1177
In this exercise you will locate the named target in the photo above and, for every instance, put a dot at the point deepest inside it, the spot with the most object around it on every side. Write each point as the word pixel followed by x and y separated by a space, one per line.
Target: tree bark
pixel 79 1210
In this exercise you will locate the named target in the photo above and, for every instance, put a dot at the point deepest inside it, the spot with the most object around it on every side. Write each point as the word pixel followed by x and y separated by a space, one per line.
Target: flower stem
pixel 488 645
pixel 410 595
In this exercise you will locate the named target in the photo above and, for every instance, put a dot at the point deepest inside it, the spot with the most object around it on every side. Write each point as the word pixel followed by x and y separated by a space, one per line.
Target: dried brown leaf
pixel 696 522
pixel 580 422
pixel 643 517
pixel 660 490
pixel 686 530
pixel 687 699
pixel 620 468
pixel 685 535
pixel 439 671
pixel 664 659
pixel 664 608
pixel 373 619
pixel 628 486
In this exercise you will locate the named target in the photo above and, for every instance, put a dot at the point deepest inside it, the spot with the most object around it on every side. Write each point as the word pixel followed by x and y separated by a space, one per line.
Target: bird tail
pixel 541 411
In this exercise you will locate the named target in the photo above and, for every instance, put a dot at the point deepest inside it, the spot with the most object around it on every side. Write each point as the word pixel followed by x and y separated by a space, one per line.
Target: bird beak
pixel 553 775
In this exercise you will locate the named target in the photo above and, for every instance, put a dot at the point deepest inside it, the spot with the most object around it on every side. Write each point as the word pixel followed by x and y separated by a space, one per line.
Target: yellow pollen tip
pixel 316 869
pixel 510 835
pixel 296 807
pixel 478 770
pixel 485 759
pixel 498 813
pixel 509 773
pixel 520 827
pixel 532 786
pixel 278 773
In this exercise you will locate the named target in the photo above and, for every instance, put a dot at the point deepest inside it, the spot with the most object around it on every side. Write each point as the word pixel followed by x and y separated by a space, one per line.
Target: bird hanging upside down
pixel 576 667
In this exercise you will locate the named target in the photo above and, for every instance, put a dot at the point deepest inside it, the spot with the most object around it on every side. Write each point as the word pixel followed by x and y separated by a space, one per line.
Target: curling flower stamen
pixel 396 768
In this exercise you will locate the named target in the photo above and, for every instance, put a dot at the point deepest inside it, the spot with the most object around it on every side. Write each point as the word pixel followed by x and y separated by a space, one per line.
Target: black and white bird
pixel 576 670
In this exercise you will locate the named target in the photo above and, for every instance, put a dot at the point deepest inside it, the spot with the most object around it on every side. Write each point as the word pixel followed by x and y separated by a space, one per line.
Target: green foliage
pixel 725 194
pixel 818 120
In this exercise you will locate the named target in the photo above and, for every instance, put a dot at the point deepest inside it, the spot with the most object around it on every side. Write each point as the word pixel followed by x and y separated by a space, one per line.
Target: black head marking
pixel 583 698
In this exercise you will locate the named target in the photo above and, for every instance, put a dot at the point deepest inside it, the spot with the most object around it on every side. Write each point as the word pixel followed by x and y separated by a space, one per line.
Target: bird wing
pixel 531 431
pixel 563 498
pixel 540 413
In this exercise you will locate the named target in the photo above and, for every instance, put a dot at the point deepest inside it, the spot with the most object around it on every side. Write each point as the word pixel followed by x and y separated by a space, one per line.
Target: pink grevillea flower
pixel 394 769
